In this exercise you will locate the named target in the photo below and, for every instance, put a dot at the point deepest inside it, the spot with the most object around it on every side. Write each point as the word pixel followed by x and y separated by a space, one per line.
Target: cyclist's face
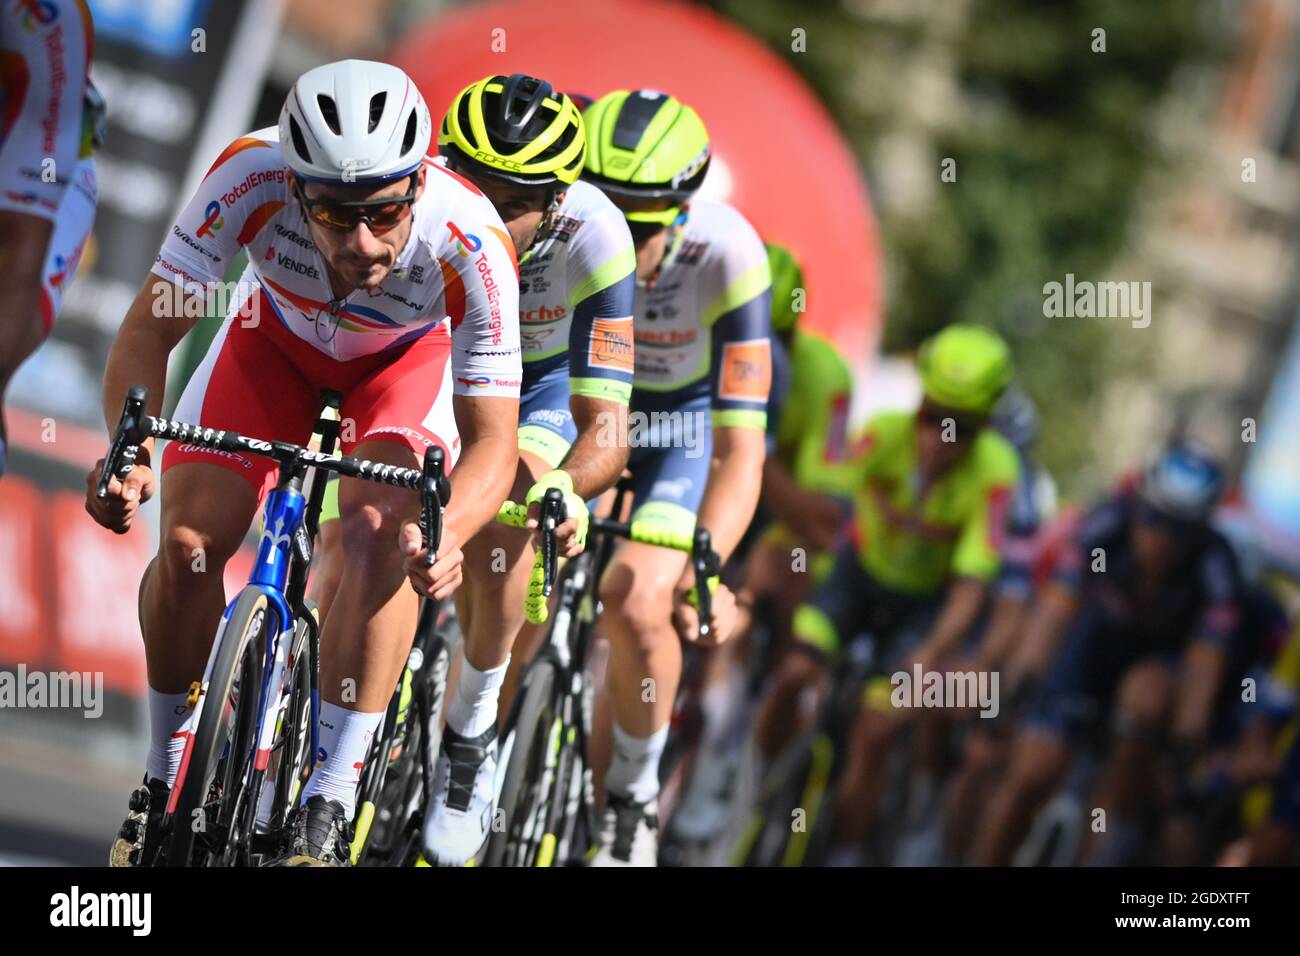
pixel 943 436
pixel 363 255
pixel 521 208
pixel 1159 541
pixel 649 239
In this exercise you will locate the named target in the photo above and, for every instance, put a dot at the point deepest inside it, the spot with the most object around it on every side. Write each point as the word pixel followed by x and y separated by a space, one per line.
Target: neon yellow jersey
pixel 811 440
pixel 914 540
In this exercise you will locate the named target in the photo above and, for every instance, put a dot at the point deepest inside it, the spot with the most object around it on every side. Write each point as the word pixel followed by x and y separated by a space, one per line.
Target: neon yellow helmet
pixel 786 277
pixel 517 128
pixel 965 367
pixel 646 145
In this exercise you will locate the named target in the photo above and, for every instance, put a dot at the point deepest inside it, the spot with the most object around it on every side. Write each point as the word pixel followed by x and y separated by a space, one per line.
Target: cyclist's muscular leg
pixel 862 785
pixel 778 718
pixel 206 511
pixel 372 619
pixel 1039 762
pixel 1142 708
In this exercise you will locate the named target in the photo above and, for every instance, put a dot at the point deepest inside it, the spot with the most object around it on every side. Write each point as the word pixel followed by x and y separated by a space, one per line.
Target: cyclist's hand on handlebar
pixel 686 619
pixel 571 535
pixel 440 580
pixel 117 510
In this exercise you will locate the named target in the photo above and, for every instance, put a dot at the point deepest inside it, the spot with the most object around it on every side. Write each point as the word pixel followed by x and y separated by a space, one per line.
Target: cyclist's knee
pixel 190 553
pixel 492 554
pixel 1143 700
pixel 638 595
pixel 1036 765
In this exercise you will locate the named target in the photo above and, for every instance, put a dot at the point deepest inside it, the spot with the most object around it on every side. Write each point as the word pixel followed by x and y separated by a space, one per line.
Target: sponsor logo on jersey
pixel 475 381
pixel 213 222
pixel 293 265
pixel 466 242
pixel 293 237
pixel 562 228
pixel 543 314
pixel 611 344
pixel 37 13
pixel 493 352
pixel 493 296
pixel 689 252
pixel 746 371
pixel 667 337
pixel 254 179
pixel 186 238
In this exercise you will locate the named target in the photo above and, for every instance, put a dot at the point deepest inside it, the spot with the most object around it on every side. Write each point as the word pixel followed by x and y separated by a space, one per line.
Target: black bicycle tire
pixel 212 734
pixel 537 701
pixel 296 727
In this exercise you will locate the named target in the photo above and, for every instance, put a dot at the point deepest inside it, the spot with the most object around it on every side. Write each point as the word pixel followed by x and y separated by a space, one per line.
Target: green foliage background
pixel 1054 150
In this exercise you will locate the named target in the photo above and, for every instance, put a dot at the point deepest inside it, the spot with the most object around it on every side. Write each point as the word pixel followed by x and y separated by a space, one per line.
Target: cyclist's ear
pixel 419 182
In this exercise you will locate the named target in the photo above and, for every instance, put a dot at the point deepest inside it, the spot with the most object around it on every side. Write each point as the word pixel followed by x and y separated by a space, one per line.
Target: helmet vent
pixel 299 142
pixel 409 139
pixel 634 118
pixel 329 110
pixel 377 111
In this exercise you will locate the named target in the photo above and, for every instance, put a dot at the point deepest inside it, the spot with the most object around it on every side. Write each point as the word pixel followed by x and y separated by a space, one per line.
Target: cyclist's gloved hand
pixel 572 534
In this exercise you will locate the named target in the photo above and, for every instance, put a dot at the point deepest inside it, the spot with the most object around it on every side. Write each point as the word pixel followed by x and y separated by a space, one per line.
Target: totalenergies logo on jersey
pixel 37 13
pixel 213 222
pixel 475 381
pixel 466 243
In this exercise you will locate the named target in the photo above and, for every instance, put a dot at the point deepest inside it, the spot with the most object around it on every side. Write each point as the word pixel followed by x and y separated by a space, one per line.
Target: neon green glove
pixel 573 505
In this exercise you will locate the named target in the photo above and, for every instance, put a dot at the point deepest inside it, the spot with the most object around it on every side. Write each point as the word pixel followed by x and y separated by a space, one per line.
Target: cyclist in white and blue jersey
pixel 703 373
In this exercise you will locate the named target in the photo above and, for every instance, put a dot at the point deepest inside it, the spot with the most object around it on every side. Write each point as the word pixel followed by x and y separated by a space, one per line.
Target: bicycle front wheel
pixel 207 822
pixel 525 787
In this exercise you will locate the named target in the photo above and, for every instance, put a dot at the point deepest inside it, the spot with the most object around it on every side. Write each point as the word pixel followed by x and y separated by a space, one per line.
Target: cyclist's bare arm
pixel 1006 624
pixel 735 480
pixel 158 319
pixel 156 322
pixel 961 606
pixel 595 461
pixel 1052 614
pixel 1198 686
pixel 483 476
pixel 815 518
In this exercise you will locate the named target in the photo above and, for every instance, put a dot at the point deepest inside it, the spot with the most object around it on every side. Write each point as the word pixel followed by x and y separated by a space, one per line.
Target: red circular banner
pixel 778 155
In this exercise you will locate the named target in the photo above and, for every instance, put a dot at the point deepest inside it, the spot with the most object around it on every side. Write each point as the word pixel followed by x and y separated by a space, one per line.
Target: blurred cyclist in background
pixel 1149 595
pixel 50 119
pixel 930 496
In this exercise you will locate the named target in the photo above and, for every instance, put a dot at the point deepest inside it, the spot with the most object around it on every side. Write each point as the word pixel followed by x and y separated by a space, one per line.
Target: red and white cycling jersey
pixel 45 50
pixel 458 267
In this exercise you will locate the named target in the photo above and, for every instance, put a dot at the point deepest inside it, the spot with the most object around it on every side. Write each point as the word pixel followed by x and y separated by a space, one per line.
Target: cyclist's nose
pixel 362 240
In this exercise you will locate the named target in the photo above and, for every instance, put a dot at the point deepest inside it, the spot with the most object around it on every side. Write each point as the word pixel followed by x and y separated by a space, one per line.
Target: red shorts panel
pixel 264 382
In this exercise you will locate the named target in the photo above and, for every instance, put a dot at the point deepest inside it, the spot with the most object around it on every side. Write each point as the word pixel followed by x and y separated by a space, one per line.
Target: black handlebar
pixel 135 426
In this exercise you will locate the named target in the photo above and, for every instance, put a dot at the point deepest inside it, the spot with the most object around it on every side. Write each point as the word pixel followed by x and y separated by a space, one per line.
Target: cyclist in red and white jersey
pixel 45 49
pixel 371 272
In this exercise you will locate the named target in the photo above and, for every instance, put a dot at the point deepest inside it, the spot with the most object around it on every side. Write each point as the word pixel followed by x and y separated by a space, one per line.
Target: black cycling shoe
pixel 319 835
pixel 137 841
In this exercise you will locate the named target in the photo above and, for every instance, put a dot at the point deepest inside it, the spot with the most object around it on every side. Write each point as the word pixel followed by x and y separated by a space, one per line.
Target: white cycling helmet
pixel 354 121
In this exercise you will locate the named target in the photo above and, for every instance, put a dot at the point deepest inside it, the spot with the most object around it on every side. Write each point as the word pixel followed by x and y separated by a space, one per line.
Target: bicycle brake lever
pixel 125 445
pixel 552 515
pixel 432 485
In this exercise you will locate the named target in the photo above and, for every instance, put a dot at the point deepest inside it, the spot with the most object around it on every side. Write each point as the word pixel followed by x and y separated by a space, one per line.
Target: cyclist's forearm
pixel 965 598
pixel 141 348
pixel 1051 615
pixel 781 495
pixel 600 452
pixel 735 480
pixel 485 473
pixel 1197 688
pixel 1006 623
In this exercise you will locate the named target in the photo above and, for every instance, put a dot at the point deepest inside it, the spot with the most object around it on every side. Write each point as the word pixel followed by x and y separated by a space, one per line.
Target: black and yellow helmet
pixel 646 145
pixel 517 128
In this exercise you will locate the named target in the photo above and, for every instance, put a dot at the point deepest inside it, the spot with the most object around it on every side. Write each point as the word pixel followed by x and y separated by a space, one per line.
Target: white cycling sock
pixel 634 771
pixel 169 722
pixel 474 708
pixel 345 737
